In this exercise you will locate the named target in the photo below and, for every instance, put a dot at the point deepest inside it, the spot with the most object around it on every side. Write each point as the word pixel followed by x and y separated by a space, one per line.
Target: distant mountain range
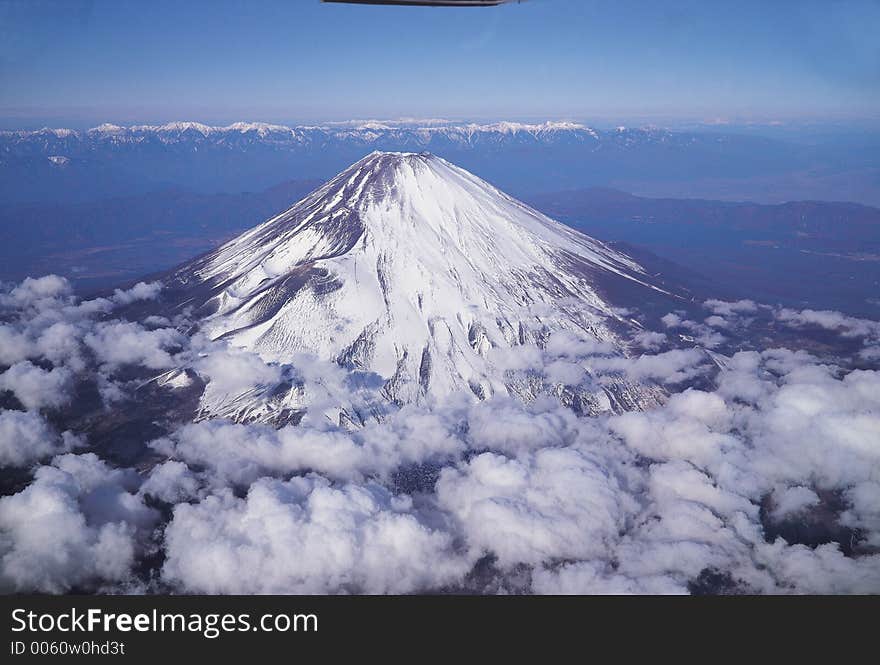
pixel 63 165
pixel 802 253
pixel 242 134
pixel 824 224
pixel 109 241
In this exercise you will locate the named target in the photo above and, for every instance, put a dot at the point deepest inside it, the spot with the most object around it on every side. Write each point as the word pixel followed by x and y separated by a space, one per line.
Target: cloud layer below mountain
pixel 765 479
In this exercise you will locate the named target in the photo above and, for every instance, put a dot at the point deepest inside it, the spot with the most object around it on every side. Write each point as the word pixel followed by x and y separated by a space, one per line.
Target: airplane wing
pixel 426 3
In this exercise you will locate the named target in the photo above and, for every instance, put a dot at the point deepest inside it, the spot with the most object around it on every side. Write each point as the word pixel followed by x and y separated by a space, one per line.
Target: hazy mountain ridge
pixel 827 221
pixel 109 160
pixel 801 253
pixel 243 133
pixel 104 243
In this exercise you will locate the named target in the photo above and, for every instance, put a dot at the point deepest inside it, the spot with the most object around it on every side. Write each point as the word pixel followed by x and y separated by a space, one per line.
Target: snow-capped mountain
pixel 411 269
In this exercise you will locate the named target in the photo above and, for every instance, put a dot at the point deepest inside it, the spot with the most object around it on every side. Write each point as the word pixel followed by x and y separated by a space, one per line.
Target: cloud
pixel 791 500
pixel 671 320
pixel 504 425
pixel 687 495
pixel 690 525
pixel 565 344
pixel 728 308
pixel 45 322
pixel 694 425
pixel 125 343
pixel 171 482
pixel 847 325
pixel 638 502
pixel 77 525
pixel 60 344
pixel 864 510
pixel 775 413
pixel 36 291
pixel 307 536
pixel 649 501
pixel 232 371
pixel 27 437
pixel 14 346
pixel 716 322
pixel 820 570
pixel 140 291
pixel 155 321
pixel 818 426
pixel 556 503
pixel 650 340
pixel 241 453
pixel 670 367
pixel 703 334
pixel 37 388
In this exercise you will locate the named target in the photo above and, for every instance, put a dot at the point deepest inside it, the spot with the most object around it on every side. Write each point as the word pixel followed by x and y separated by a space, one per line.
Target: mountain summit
pixel 413 269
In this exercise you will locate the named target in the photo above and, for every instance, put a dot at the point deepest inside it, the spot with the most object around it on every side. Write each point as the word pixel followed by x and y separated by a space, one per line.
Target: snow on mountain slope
pixel 411 268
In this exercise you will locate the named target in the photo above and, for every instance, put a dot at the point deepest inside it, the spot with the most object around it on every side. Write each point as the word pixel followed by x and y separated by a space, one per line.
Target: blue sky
pixel 79 63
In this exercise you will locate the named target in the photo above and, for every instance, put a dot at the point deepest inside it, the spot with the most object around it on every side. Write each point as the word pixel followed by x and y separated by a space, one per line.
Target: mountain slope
pixel 413 269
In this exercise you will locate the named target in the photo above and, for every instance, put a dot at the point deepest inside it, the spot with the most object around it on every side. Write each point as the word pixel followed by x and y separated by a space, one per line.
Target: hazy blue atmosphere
pixel 765 103
pixel 77 63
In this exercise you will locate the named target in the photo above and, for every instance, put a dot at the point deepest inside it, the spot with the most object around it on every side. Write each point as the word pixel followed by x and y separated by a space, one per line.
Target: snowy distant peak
pixel 429 135
pixel 108 129
pixel 260 128
pixel 365 131
pixel 60 133
pixel 57 132
pixel 176 127
pixel 371 125
pixel 418 272
pixel 512 127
